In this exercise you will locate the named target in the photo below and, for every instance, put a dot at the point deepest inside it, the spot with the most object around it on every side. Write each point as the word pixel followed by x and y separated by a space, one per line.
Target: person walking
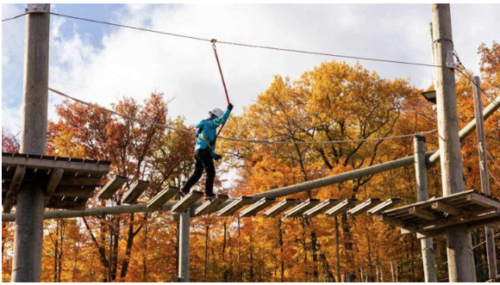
pixel 204 153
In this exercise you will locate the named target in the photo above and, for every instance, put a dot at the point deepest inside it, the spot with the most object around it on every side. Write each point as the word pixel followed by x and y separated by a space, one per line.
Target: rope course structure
pixel 425 218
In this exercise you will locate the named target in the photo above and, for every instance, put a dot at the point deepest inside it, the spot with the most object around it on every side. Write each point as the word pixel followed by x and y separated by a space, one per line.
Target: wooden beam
pixel 111 187
pixel 363 207
pixel 55 178
pixel 320 208
pixel 161 198
pixel 256 207
pixel 452 221
pixel 389 203
pixel 135 192
pixel 280 207
pixel 211 206
pixel 17 179
pixel 392 221
pixel 421 213
pixel 235 206
pixel 187 201
pixel 445 208
pixel 340 207
pixel 483 201
pixel 301 208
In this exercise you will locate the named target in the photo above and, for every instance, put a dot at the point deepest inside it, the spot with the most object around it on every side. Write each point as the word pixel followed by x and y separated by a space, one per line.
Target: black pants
pixel 205 161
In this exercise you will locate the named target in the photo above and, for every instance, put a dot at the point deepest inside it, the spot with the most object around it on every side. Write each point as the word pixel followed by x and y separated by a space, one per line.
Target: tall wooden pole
pixel 459 244
pixel 428 259
pixel 184 246
pixel 484 174
pixel 337 247
pixel 28 237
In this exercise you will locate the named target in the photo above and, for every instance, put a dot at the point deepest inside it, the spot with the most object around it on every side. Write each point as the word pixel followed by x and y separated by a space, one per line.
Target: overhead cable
pixel 256 141
pixel 245 44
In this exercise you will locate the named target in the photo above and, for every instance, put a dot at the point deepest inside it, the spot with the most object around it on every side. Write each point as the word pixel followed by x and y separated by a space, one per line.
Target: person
pixel 204 153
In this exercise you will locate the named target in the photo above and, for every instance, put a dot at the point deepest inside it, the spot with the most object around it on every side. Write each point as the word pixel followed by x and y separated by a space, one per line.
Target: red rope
pixel 222 77
pixel 220 69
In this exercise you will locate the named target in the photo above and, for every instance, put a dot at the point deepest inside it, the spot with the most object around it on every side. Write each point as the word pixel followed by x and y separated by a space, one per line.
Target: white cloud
pixel 133 63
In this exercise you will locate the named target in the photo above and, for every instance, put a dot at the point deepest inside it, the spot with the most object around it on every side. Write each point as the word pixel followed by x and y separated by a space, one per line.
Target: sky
pixel 101 64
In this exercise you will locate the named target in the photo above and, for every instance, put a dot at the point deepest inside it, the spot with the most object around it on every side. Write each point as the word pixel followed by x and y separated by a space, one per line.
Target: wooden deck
pixel 433 217
pixel 68 182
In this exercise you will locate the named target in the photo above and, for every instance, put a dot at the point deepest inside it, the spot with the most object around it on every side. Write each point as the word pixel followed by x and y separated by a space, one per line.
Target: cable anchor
pixel 450 60
pixel 213 41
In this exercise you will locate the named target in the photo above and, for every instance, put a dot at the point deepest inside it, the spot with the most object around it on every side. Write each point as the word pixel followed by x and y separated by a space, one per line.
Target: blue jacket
pixel 207 131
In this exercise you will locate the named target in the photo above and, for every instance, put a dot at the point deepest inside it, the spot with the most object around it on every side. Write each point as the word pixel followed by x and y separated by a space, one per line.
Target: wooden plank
pixel 135 192
pixel 161 198
pixel 483 201
pixel 17 179
pixel 68 204
pixel 340 207
pixel 280 207
pixel 391 221
pixel 493 221
pixel 424 214
pixel 301 208
pixel 211 206
pixel 320 208
pixel 363 207
pixel 55 178
pixel 77 194
pixel 70 181
pixel 75 191
pixel 256 207
pixel 111 187
pixel 235 206
pixel 67 164
pixel 452 221
pixel 429 202
pixel 389 203
pixel 187 201
pixel 447 209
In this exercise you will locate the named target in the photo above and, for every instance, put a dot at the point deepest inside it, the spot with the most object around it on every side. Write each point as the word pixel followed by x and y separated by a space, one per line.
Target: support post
pixel 483 171
pixel 428 259
pixel 459 244
pixel 28 237
pixel 184 245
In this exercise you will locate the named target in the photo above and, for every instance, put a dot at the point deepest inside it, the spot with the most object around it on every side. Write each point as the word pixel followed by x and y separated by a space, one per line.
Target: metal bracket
pixel 37 8
pixel 450 60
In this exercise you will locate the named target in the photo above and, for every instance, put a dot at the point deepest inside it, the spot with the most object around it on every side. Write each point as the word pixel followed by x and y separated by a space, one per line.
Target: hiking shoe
pixel 183 194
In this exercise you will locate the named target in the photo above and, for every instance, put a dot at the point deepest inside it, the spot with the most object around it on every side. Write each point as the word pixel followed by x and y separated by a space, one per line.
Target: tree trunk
pixel 206 251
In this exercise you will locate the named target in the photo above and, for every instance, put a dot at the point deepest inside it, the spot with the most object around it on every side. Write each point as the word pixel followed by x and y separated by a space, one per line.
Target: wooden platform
pixel 68 182
pixel 433 217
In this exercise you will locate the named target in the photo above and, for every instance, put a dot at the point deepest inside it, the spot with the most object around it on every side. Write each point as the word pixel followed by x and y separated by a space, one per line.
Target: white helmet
pixel 217 112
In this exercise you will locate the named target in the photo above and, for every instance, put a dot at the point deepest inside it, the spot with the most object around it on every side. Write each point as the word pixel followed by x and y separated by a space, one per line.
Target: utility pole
pixel 28 238
pixel 426 244
pixel 459 244
pixel 184 245
pixel 483 170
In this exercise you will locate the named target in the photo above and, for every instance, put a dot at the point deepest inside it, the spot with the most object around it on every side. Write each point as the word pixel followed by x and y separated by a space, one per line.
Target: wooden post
pixel 459 244
pixel 184 245
pixel 484 174
pixel 28 237
pixel 428 259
